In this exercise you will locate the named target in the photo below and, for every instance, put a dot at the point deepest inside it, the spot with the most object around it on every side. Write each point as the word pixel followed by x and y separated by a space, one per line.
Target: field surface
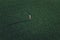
pixel 15 25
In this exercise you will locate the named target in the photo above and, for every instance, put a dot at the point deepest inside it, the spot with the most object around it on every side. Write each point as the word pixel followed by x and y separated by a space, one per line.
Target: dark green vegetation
pixel 45 23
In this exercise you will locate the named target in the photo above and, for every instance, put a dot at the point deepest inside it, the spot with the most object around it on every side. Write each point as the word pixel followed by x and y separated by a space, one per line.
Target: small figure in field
pixel 30 17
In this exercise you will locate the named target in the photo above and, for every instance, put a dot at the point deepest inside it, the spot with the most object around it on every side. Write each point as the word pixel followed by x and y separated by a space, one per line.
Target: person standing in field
pixel 29 17
pixel 29 14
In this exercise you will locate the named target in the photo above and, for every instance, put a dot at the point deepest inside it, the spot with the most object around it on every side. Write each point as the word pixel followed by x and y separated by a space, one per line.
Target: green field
pixel 15 25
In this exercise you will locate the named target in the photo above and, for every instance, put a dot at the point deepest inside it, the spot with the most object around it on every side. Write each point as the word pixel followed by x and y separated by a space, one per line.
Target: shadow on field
pixel 12 29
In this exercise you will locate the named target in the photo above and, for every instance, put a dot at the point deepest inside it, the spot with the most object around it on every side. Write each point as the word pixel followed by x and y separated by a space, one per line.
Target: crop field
pixel 15 24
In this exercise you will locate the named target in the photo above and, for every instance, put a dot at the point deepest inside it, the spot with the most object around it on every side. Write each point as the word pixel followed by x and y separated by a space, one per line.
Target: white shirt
pixel 30 17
